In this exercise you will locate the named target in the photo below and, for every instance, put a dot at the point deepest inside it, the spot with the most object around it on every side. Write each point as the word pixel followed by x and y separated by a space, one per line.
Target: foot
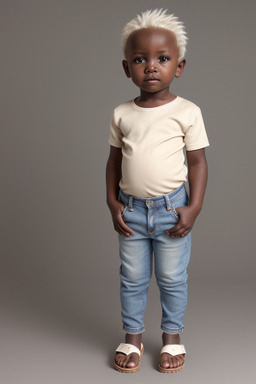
pixel 131 361
pixel 167 361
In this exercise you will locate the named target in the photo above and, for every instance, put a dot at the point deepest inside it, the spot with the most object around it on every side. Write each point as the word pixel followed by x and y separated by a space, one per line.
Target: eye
pixel 139 60
pixel 163 59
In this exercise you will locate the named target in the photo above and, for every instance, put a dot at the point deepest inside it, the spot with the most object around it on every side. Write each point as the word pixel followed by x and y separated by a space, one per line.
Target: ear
pixel 126 69
pixel 180 68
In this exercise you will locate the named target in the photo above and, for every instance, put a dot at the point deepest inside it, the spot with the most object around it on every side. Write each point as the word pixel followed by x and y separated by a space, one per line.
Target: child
pixel 145 184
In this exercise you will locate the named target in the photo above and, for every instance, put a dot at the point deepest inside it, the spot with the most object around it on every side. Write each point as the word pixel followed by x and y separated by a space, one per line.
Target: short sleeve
pixel 196 137
pixel 115 136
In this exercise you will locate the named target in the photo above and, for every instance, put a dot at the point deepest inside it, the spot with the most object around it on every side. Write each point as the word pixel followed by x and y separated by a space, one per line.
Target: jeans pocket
pixel 174 212
pixel 124 210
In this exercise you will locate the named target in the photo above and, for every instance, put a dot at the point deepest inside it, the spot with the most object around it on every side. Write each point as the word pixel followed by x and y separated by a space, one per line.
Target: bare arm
pixel 113 176
pixel 197 178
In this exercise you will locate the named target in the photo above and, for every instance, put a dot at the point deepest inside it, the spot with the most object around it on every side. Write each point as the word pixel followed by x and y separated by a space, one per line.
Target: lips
pixel 153 79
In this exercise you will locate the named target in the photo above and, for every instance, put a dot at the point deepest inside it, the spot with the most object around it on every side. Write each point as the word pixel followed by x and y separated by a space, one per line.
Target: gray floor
pixel 50 347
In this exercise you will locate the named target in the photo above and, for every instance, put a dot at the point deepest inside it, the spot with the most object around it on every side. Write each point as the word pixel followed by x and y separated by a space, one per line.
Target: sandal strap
pixel 174 349
pixel 127 349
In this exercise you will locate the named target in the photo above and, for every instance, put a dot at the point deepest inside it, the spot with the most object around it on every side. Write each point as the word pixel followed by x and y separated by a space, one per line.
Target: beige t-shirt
pixel 152 142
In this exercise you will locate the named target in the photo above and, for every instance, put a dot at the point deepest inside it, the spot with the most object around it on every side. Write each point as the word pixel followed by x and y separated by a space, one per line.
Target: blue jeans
pixel 150 218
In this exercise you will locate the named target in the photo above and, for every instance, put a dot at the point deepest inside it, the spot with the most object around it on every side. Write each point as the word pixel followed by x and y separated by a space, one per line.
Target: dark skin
pixel 152 63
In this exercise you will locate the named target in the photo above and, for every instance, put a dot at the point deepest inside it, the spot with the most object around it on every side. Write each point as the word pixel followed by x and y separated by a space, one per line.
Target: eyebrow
pixel 144 53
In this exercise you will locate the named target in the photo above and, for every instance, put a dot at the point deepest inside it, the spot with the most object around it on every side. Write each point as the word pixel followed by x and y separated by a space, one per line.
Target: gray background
pixel 61 77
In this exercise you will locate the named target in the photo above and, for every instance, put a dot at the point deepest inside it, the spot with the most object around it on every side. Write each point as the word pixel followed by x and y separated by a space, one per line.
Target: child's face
pixel 152 59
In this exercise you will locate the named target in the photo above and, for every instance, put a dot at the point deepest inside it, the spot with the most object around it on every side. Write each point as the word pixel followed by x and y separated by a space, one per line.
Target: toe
pixel 165 364
pixel 120 359
pixel 127 362
pixel 180 360
pixel 167 361
pixel 133 361
pixel 164 361
pixel 173 362
pixel 176 361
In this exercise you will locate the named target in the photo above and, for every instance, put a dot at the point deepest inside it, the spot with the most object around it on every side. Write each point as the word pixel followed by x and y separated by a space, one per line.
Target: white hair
pixel 157 18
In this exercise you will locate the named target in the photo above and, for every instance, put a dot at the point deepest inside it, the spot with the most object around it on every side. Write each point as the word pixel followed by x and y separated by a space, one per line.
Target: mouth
pixel 151 79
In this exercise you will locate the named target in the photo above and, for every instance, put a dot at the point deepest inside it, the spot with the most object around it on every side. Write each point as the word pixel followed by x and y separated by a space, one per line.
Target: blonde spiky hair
pixel 157 18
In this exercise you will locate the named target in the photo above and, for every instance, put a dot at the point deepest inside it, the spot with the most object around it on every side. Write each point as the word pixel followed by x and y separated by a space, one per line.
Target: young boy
pixel 145 184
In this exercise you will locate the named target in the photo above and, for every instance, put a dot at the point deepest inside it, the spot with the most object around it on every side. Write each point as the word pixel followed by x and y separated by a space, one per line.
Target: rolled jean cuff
pixel 134 331
pixel 172 330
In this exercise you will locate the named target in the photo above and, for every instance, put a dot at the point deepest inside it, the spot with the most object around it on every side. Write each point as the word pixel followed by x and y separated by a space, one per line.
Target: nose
pixel 150 68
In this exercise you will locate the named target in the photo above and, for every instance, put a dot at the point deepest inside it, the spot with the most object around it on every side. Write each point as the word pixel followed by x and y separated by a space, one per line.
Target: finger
pixel 122 231
pixel 174 229
pixel 177 233
pixel 182 232
pixel 186 233
pixel 123 227
pixel 127 229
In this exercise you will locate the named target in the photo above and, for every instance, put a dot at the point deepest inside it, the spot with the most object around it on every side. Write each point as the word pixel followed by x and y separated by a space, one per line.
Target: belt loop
pixel 130 201
pixel 167 202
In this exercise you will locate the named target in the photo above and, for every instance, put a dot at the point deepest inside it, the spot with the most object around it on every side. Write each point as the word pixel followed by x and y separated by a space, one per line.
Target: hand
pixel 187 216
pixel 116 209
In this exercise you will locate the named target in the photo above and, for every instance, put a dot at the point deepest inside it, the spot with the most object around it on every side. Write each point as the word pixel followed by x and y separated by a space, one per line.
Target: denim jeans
pixel 150 218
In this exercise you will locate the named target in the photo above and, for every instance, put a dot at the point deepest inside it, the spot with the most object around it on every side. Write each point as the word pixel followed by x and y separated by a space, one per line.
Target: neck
pixel 154 99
